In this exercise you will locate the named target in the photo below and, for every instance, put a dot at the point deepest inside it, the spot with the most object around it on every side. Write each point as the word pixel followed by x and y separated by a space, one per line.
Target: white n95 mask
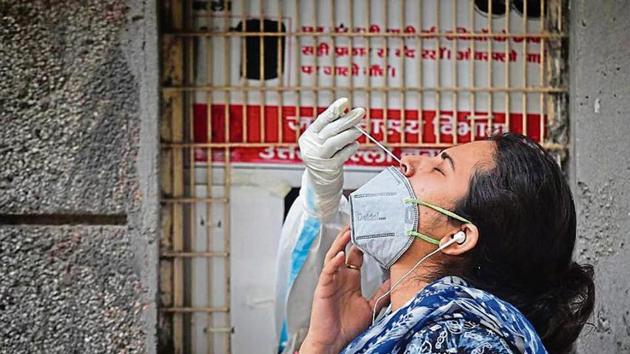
pixel 385 216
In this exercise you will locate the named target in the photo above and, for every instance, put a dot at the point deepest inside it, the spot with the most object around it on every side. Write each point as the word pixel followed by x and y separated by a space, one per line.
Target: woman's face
pixel 444 179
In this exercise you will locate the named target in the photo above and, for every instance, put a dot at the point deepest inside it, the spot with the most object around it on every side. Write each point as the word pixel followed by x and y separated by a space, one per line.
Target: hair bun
pixel 572 298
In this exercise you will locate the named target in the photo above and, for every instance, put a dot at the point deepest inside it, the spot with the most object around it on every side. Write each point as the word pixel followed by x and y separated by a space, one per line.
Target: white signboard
pixel 398 54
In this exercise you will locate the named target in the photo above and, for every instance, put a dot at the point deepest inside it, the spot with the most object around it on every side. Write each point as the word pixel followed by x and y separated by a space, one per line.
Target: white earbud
pixel 459 237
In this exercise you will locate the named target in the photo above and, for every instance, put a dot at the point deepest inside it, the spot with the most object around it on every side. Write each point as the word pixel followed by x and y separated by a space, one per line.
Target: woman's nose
pixel 407 165
pixel 410 164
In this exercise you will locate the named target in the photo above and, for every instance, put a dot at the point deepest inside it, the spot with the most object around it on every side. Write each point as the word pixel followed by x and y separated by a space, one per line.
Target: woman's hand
pixel 340 312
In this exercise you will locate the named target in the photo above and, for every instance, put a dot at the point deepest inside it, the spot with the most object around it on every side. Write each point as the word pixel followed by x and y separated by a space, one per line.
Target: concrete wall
pixel 78 189
pixel 600 163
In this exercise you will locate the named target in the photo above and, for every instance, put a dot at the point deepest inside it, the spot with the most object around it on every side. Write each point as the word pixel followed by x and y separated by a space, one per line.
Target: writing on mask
pixel 369 216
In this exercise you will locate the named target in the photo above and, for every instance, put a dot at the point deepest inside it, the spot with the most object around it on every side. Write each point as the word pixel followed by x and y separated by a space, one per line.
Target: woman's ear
pixel 470 241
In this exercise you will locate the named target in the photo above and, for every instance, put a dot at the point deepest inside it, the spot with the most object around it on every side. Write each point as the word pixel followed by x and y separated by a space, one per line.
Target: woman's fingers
pixel 331 267
pixel 376 300
pixel 355 257
pixel 338 245
pixel 329 271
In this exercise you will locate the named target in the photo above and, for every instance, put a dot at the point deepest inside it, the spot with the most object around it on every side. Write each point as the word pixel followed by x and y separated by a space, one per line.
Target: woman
pixel 508 285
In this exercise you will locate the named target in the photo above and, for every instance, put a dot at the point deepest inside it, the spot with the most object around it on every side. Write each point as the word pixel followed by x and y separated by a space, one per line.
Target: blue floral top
pixel 448 316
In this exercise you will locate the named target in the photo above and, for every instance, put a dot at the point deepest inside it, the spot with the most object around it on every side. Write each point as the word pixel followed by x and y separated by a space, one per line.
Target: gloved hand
pixel 327 143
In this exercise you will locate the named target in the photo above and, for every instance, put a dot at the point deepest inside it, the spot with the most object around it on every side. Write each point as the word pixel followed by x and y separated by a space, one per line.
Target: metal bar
pixel 368 109
pixel 385 93
pixel 421 88
pixel 224 330
pixel 280 53
pixel 403 113
pixel 351 22
pixel 170 71
pixel 194 309
pixel 261 73
pixel 490 83
pixel 194 199
pixel 245 81
pixel 189 234
pixel 209 183
pixel 226 206
pixel 227 180
pixel 470 35
pixel 227 79
pixel 207 254
pixel 508 98
pixel 524 101
pixel 542 73
pixel 334 55
pixel 177 122
pixel 455 130
pixel 531 89
pixel 316 45
pixel 261 145
pixel 178 226
pixel 298 76
pixel 473 70
pixel 438 79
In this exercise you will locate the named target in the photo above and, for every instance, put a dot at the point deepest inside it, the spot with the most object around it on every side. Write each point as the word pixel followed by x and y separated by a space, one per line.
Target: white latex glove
pixel 327 143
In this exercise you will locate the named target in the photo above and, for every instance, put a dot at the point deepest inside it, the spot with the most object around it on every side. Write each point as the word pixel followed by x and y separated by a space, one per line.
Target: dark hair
pixel 523 208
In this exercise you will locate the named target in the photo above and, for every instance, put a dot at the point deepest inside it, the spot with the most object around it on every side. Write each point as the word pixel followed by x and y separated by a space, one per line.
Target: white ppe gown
pixel 304 241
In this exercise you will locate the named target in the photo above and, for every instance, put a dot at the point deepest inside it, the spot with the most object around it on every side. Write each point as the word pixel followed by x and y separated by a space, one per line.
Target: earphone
pixel 459 237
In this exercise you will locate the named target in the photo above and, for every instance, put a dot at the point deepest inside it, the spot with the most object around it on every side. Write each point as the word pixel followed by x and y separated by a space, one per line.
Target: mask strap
pixel 437 208
pixel 423 237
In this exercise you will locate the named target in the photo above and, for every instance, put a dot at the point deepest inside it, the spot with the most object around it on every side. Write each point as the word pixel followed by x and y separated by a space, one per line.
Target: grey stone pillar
pixel 78 176
pixel 600 163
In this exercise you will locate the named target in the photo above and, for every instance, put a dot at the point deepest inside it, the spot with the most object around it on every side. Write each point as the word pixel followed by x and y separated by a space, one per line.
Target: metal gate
pixel 242 79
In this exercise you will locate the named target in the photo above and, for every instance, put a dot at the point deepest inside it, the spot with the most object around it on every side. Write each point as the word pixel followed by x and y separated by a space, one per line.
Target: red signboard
pixel 247 125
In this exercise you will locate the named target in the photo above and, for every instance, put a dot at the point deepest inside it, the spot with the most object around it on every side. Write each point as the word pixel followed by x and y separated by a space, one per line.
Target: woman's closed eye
pixel 439 170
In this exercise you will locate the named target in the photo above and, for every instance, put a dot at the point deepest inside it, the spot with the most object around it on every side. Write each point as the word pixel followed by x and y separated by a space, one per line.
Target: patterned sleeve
pixel 457 336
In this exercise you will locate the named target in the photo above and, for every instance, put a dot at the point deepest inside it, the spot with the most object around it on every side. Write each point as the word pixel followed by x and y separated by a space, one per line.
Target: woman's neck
pixel 411 285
